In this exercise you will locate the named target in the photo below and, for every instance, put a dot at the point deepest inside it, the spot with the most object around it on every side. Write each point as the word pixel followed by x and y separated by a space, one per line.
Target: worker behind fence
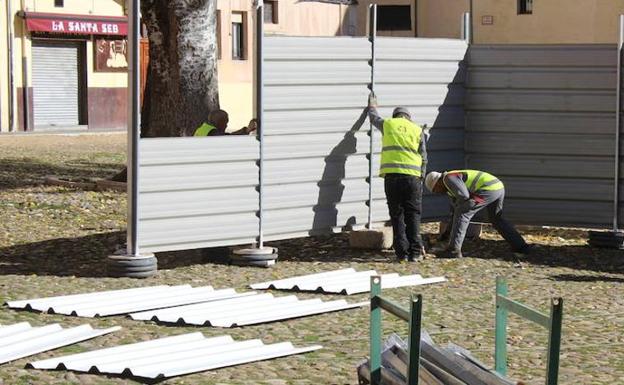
pixel 403 163
pixel 471 191
pixel 217 124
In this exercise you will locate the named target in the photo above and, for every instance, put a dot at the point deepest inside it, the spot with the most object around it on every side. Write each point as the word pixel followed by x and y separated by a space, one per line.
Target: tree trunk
pixel 182 82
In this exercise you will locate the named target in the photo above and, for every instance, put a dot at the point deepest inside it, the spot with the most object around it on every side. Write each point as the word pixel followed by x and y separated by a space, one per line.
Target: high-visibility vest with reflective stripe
pixel 401 141
pixel 476 181
pixel 204 129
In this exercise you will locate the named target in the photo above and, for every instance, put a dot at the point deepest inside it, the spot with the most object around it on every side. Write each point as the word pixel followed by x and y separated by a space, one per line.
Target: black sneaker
pixel 526 250
pixel 415 258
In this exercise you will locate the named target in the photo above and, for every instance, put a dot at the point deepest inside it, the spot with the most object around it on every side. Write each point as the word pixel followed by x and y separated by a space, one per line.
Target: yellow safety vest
pixel 204 129
pixel 478 181
pixel 401 142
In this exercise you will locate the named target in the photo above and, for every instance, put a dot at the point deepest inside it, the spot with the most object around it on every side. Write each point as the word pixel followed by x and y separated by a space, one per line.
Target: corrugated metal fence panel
pixel 171 356
pixel 22 340
pixel 427 76
pixel 197 192
pixel 543 119
pixel 315 134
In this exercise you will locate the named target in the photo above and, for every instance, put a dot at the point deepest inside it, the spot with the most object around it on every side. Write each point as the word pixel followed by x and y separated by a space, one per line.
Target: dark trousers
pixel 493 201
pixel 404 195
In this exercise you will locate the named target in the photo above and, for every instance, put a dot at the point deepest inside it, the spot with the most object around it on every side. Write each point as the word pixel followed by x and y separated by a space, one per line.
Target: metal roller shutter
pixel 56 83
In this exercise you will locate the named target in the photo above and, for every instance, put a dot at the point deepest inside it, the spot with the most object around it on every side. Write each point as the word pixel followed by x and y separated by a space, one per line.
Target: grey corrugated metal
pixel 197 192
pixel 427 76
pixel 315 169
pixel 542 118
pixel 22 340
pixel 106 303
pixel 249 310
pixel 55 72
pixel 344 281
pixel 316 133
pixel 172 356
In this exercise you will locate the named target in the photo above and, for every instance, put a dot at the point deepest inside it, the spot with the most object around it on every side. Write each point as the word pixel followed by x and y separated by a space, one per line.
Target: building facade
pixel 64 63
pixel 546 21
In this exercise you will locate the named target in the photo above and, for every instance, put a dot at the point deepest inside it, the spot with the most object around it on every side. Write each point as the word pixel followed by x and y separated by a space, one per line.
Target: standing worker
pixel 470 191
pixel 403 164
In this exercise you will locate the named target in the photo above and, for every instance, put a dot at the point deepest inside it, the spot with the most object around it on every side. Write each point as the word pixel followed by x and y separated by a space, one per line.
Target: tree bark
pixel 182 82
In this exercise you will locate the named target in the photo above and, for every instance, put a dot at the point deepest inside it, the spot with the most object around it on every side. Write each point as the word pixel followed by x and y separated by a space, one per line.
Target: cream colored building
pixel 546 21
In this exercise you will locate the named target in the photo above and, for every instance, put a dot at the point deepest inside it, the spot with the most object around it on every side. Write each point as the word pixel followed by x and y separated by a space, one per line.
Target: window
pixel 525 7
pixel 59 3
pixel 238 36
pixel 270 12
pixel 394 18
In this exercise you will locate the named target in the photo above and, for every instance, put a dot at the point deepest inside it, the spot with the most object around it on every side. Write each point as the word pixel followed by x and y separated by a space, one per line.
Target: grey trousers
pixel 493 201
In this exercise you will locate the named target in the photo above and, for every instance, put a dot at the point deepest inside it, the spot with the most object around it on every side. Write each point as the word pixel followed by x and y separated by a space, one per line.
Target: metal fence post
pixel 618 112
pixel 554 341
pixel 375 331
pixel 260 113
pixel 500 342
pixel 134 104
pixel 372 38
pixel 414 340
pixel 466 27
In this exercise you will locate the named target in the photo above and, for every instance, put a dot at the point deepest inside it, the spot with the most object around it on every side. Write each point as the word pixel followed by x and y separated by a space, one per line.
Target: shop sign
pixel 63 24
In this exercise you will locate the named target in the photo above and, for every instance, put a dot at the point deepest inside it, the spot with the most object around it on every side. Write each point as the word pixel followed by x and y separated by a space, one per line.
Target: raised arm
pixel 373 115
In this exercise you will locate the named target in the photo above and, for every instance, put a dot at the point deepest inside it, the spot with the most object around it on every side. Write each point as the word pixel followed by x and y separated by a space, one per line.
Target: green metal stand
pixel 413 316
pixel 553 324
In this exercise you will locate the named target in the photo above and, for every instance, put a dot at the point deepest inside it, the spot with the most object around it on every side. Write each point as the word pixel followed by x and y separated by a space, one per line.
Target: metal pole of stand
pixel 618 112
pixel 466 33
pixel 372 38
pixel 131 263
pixel 260 112
pixel 133 128
pixel 260 256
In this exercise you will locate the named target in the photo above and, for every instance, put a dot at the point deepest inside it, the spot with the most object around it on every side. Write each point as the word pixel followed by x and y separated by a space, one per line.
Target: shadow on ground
pixel 336 249
pixel 586 278
pixel 29 172
pixel 86 256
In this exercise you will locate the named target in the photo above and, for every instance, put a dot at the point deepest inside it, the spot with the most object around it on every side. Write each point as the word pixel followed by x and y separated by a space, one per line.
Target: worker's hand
pixel 372 100
pixel 467 205
pixel 252 126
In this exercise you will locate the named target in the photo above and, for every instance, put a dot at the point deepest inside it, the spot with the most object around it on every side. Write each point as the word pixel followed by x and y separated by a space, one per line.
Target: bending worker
pixel 217 124
pixel 471 191
pixel 403 163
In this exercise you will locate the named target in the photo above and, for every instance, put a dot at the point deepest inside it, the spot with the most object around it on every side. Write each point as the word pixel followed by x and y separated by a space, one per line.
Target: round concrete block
pixel 131 266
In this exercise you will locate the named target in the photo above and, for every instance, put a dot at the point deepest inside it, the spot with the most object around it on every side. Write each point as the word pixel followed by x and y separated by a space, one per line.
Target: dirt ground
pixel 54 241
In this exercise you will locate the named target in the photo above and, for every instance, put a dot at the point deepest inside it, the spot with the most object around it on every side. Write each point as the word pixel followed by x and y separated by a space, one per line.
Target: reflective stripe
pixel 473 185
pixel 399 148
pixel 490 183
pixel 399 165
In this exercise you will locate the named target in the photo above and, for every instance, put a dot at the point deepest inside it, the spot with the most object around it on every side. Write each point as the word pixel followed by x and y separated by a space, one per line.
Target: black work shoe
pixel 415 258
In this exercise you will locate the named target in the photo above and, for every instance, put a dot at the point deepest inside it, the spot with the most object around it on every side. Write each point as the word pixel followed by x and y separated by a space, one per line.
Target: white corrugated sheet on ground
pixel 22 340
pixel 345 281
pixel 106 303
pixel 242 311
pixel 172 356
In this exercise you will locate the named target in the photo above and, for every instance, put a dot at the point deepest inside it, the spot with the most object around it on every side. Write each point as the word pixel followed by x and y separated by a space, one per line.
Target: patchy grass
pixel 55 240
